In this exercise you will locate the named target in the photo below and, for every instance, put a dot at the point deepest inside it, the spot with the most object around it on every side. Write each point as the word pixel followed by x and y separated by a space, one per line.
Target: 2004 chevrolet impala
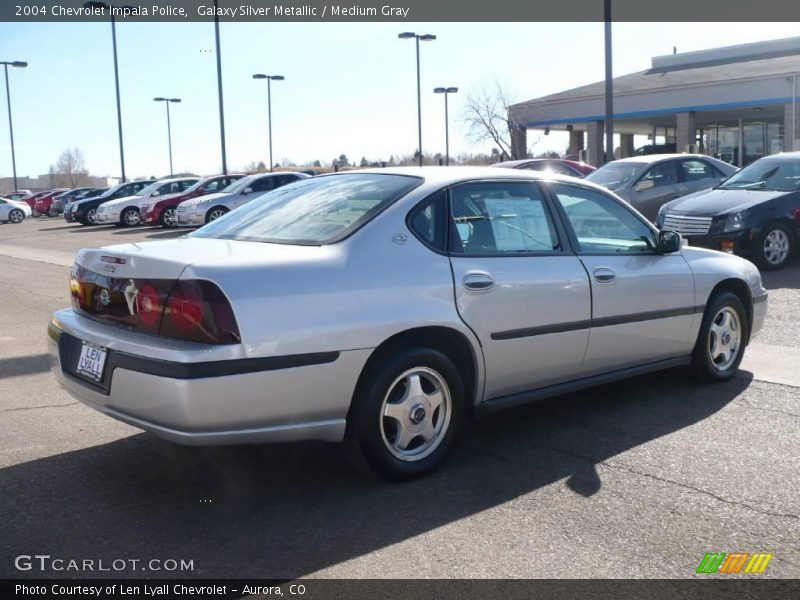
pixel 386 306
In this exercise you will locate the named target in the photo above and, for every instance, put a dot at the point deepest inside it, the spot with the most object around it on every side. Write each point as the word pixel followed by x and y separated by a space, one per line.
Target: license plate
pixel 91 362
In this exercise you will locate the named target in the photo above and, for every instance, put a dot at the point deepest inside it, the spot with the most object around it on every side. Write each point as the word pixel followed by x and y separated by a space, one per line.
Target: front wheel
pixel 169 217
pixel 130 217
pixel 16 216
pixel 775 247
pixel 215 213
pixel 723 334
pixel 407 413
pixel 91 217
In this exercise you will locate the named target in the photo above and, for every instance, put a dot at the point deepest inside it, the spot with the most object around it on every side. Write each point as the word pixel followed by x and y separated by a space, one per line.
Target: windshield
pixel 240 184
pixel 771 175
pixel 615 175
pixel 311 211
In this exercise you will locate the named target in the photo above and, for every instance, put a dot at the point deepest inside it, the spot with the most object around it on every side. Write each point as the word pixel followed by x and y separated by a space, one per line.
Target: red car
pixel 558 166
pixel 44 203
pixel 31 200
pixel 163 210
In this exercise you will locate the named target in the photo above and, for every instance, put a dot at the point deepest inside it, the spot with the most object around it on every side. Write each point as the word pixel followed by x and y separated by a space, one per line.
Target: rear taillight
pixel 195 310
pixel 198 311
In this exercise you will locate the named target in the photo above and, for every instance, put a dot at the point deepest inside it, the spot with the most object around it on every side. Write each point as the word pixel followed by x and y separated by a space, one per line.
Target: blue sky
pixel 350 88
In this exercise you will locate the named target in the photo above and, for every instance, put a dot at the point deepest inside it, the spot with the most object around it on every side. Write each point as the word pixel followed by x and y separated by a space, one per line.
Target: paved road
pixel 635 479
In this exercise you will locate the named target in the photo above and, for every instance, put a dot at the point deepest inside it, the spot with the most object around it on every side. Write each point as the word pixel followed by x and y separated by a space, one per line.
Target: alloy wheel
pixel 16 216
pixel 91 216
pixel 724 338
pixel 216 214
pixel 415 414
pixel 131 217
pixel 776 246
pixel 170 217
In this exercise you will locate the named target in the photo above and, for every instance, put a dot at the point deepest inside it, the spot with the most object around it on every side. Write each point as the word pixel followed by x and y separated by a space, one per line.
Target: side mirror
pixel 668 242
pixel 248 190
pixel 644 184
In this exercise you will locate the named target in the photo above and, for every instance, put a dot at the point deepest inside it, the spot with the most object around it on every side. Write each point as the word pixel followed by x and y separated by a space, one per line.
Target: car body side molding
pixel 518 399
pixel 649 315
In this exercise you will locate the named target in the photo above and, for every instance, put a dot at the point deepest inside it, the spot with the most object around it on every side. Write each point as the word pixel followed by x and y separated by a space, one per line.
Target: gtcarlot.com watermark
pixel 45 562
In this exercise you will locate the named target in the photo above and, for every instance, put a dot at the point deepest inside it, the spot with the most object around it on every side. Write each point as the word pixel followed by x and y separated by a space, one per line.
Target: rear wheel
pixel 16 216
pixel 775 246
pixel 130 217
pixel 407 413
pixel 723 333
pixel 169 217
pixel 215 213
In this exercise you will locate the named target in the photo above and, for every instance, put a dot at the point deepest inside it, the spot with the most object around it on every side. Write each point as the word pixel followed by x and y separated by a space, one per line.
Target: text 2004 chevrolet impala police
pixel 385 306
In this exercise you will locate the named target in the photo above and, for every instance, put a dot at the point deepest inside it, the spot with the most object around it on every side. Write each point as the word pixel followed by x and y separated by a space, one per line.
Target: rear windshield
pixel 320 210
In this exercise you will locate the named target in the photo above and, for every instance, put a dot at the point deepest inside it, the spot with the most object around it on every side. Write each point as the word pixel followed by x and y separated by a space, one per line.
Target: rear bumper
pixel 301 397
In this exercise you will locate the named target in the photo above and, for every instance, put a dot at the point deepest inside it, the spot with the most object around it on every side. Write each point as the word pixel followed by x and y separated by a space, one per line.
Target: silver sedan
pixel 649 182
pixel 390 305
pixel 13 211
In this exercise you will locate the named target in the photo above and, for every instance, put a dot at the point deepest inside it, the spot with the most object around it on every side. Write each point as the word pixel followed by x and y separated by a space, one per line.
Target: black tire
pixel 766 258
pixel 215 213
pixel 702 364
pixel 16 216
pixel 370 430
pixel 163 220
pixel 52 212
pixel 127 219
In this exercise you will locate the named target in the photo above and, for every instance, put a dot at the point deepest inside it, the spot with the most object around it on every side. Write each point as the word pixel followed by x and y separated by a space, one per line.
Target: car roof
pixel 651 158
pixel 450 175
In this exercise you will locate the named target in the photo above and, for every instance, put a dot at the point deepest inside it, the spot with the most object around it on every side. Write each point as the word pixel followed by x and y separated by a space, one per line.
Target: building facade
pixel 737 103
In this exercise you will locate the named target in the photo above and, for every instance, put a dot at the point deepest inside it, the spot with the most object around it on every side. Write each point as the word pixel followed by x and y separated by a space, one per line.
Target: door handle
pixel 604 275
pixel 478 282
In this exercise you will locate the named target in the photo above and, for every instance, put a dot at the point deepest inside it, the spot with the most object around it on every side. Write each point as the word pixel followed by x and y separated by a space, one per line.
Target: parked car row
pixel 183 201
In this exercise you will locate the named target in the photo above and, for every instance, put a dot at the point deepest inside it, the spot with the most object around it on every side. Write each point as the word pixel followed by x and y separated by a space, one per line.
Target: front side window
pixel 661 174
pixel 695 170
pixel 601 224
pixel 314 211
pixel 501 217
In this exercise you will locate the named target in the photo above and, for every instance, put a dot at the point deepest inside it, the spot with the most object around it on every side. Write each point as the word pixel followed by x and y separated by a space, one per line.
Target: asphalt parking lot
pixel 635 479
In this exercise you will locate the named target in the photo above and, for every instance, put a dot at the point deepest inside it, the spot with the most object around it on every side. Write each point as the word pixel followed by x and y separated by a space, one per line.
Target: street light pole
pixel 427 37
pixel 446 91
pixel 609 155
pixel 21 64
pixel 104 5
pixel 270 79
pixel 219 91
pixel 169 127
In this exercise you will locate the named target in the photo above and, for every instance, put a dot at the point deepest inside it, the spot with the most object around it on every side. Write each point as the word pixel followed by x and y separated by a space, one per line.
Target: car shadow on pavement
pixel 284 511
pixel 788 278
pixel 24 365
pixel 151 232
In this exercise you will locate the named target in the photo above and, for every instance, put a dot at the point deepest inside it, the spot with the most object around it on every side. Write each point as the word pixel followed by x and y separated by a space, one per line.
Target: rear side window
pixel 501 218
pixel 428 221
pixel 263 184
